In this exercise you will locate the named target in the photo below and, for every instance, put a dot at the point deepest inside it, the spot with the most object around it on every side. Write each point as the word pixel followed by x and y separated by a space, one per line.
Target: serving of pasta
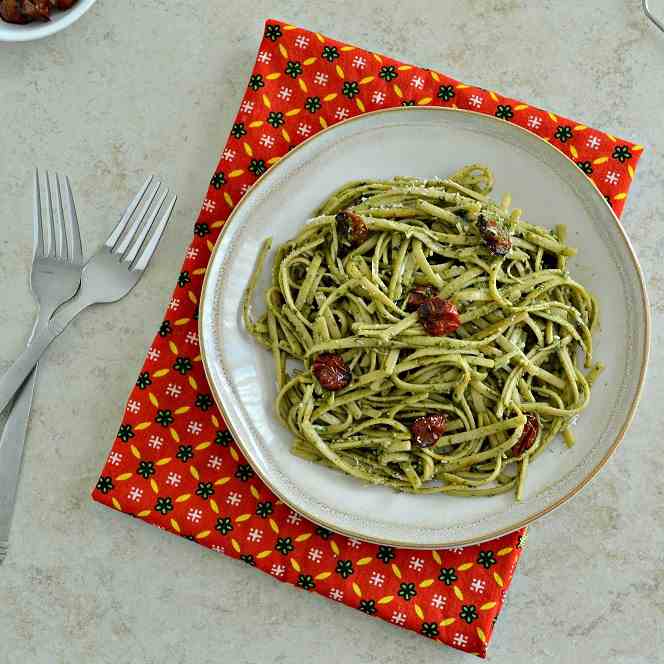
pixel 425 337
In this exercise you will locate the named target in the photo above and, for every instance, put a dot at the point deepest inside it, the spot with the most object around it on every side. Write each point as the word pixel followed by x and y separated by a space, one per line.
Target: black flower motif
pixel 191 538
pixel 350 89
pixel 257 167
pixel 276 119
pixel 448 576
pixel 504 111
pixel 145 469
pixel 264 509
pixel 105 484
pixel 563 133
pixel 385 554
pixel 388 72
pixel 323 532
pixel 344 568
pixel 244 472
pixel 248 558
pixel 183 279
pixel 306 581
pixel 182 365
pixel 446 92
pixel 256 82
pixel 125 432
pixel 293 69
pixel 143 380
pixel 203 401
pixel 585 166
pixel 429 629
pixel 205 490
pixel 185 453
pixel 468 613
pixel 312 104
pixel 223 438
pixel 224 525
pixel 486 559
pixel 218 180
pixel 330 53
pixel 164 505
pixel 238 130
pixel 201 229
pixel 272 31
pixel 368 606
pixel 621 153
pixel 165 328
pixel 407 591
pixel 164 417
pixel 408 102
pixel 284 545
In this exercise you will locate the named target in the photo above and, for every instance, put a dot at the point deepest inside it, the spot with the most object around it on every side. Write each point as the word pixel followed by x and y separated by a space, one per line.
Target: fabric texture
pixel 175 465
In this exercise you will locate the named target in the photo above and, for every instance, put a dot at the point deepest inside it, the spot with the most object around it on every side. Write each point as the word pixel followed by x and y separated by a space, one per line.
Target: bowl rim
pixel 15 33
pixel 573 491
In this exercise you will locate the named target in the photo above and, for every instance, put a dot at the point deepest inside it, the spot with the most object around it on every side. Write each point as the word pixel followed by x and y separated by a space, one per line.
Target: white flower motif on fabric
pixel 255 535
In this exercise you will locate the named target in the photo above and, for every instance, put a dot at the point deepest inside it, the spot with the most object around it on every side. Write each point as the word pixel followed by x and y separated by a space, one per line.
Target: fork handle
pixel 15 376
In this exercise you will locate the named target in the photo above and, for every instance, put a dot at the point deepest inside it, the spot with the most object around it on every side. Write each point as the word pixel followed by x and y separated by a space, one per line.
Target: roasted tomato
pixel 528 437
pixel 351 227
pixel 11 11
pixel 331 371
pixel 494 234
pixel 419 296
pixel 36 10
pixel 439 317
pixel 25 11
pixel 428 429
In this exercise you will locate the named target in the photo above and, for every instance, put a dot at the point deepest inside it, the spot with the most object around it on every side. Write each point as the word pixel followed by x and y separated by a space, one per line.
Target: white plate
pixel 425 142
pixel 9 32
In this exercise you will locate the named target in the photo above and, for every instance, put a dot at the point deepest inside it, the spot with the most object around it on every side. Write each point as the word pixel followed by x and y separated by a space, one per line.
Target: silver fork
pixel 107 277
pixel 57 263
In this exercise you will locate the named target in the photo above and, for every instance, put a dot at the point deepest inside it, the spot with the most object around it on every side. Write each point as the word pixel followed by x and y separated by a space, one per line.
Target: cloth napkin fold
pixel 175 465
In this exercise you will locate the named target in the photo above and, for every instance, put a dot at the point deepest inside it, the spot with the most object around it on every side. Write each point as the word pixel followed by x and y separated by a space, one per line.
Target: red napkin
pixel 175 465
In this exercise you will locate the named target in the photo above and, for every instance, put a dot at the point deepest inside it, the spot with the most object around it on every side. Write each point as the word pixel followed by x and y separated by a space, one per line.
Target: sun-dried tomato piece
pixel 331 371
pixel 438 317
pixel 351 227
pixel 11 11
pixel 494 234
pixel 426 430
pixel 528 437
pixel 419 296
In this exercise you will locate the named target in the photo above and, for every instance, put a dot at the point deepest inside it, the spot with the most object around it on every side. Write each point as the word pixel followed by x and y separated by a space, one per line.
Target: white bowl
pixel 9 32
pixel 427 142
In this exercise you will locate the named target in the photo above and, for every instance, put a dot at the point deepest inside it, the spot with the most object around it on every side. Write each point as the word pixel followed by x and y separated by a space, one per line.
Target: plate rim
pixel 506 529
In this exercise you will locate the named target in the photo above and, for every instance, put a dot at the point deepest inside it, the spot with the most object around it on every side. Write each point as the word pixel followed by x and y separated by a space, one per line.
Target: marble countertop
pixel 138 87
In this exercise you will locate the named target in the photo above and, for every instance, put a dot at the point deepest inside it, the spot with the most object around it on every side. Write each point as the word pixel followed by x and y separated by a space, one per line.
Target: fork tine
pixel 135 247
pixel 76 249
pixel 135 225
pixel 39 247
pixel 65 252
pixel 149 249
pixel 118 230
pixel 52 245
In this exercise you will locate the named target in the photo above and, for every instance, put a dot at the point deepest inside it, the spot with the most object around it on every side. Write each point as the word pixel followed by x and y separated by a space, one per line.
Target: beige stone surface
pixel 152 86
